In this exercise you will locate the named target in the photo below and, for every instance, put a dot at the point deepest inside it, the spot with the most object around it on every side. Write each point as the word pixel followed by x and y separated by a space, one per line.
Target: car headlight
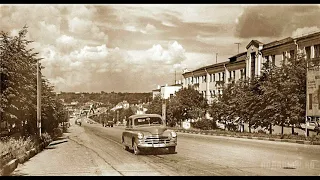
pixel 140 135
pixel 173 134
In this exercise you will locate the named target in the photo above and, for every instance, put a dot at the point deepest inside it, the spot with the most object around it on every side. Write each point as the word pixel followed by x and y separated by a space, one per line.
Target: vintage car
pixel 145 131
pixel 109 124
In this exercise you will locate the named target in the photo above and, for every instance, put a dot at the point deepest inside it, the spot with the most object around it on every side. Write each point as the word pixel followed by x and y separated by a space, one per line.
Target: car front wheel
pixel 172 150
pixel 125 147
pixel 136 150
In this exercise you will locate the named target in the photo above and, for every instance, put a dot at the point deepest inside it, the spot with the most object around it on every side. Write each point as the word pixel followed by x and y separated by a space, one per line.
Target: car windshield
pixel 148 121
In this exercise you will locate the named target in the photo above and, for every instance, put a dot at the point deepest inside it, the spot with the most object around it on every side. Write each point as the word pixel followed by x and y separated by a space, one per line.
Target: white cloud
pixel 167 23
pixel 305 30
pixel 130 28
pixel 174 54
pixel 81 11
pixel 85 27
pixel 150 28
pixel 67 43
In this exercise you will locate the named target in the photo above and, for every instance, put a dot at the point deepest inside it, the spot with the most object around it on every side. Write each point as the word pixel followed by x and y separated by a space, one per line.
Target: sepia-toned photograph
pixel 160 90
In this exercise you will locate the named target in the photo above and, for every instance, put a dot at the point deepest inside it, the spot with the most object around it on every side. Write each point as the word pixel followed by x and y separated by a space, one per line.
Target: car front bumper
pixel 157 144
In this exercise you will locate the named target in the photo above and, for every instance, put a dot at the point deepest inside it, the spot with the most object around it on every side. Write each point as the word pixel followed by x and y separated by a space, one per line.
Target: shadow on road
pixel 50 147
pixel 57 142
pixel 154 152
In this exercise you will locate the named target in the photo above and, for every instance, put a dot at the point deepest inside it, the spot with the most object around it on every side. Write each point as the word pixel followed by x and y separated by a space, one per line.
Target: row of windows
pixel 221 77
pixel 291 54
pixel 316 51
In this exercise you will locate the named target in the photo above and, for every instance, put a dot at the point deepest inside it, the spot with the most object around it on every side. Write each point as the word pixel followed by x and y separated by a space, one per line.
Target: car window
pixel 148 121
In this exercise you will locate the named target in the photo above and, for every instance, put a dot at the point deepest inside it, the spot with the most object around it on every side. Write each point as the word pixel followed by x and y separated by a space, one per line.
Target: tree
pixel 284 92
pixel 155 106
pixel 187 103
pixel 18 88
pixel 18 77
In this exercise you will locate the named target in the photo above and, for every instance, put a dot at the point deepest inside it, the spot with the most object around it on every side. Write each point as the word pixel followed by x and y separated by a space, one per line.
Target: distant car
pixel 78 121
pixel 145 131
pixel 109 124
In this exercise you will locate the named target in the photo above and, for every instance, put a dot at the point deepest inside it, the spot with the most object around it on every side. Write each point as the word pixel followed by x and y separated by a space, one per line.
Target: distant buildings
pixel 166 91
pixel 121 105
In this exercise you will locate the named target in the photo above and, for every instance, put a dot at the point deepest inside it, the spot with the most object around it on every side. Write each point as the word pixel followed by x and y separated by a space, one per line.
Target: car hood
pixel 155 130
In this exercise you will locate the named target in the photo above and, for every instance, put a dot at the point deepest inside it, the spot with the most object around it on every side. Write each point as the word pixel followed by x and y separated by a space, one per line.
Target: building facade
pixel 166 91
pixel 209 80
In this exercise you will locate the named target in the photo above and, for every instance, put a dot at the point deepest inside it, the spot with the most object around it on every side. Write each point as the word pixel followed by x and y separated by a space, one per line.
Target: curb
pixel 13 164
pixel 9 167
pixel 250 137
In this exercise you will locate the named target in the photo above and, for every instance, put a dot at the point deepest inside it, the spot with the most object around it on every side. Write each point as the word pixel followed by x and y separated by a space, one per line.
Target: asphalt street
pixel 100 152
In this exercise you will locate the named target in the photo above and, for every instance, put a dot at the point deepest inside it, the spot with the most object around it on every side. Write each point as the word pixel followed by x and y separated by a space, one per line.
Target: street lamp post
pixel 39 97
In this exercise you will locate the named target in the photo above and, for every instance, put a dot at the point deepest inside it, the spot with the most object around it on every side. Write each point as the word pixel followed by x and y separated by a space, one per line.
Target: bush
pixel 57 132
pixel 45 138
pixel 14 148
pixel 204 124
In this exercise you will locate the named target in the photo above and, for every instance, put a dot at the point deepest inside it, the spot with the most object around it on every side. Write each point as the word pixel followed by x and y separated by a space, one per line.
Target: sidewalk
pixel 65 157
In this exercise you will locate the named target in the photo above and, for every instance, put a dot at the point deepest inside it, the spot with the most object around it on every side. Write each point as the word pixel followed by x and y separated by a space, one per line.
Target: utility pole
pixel 39 97
pixel 164 111
pixel 238 46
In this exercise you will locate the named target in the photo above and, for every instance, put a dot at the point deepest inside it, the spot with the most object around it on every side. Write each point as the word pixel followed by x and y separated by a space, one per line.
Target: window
pixel 234 74
pixel 241 73
pixel 308 52
pixel 284 55
pixel 292 54
pixel 317 51
pixel 310 101
pixel 147 121
pixel 253 64
pixel 213 77
pixel 267 64
pixel 273 60
pixel 219 76
pixel 223 76
pixel 204 79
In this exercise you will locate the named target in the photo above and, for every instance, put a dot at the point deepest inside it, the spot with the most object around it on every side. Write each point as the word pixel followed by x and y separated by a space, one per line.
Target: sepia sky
pixel 134 48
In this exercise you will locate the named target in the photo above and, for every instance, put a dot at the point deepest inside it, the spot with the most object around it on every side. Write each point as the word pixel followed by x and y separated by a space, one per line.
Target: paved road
pixel 196 155
pixel 208 155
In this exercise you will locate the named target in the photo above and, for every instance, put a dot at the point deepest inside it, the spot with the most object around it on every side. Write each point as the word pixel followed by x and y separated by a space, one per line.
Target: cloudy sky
pixel 134 48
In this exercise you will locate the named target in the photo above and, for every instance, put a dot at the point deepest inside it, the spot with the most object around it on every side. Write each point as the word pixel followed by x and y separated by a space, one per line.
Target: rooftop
pixel 277 43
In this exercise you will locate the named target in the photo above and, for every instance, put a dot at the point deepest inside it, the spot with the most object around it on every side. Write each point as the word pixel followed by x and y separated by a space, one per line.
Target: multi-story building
pixel 166 91
pixel 209 80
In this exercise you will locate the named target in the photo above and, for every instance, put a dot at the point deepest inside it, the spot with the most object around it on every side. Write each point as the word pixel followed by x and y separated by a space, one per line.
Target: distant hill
pixel 110 99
